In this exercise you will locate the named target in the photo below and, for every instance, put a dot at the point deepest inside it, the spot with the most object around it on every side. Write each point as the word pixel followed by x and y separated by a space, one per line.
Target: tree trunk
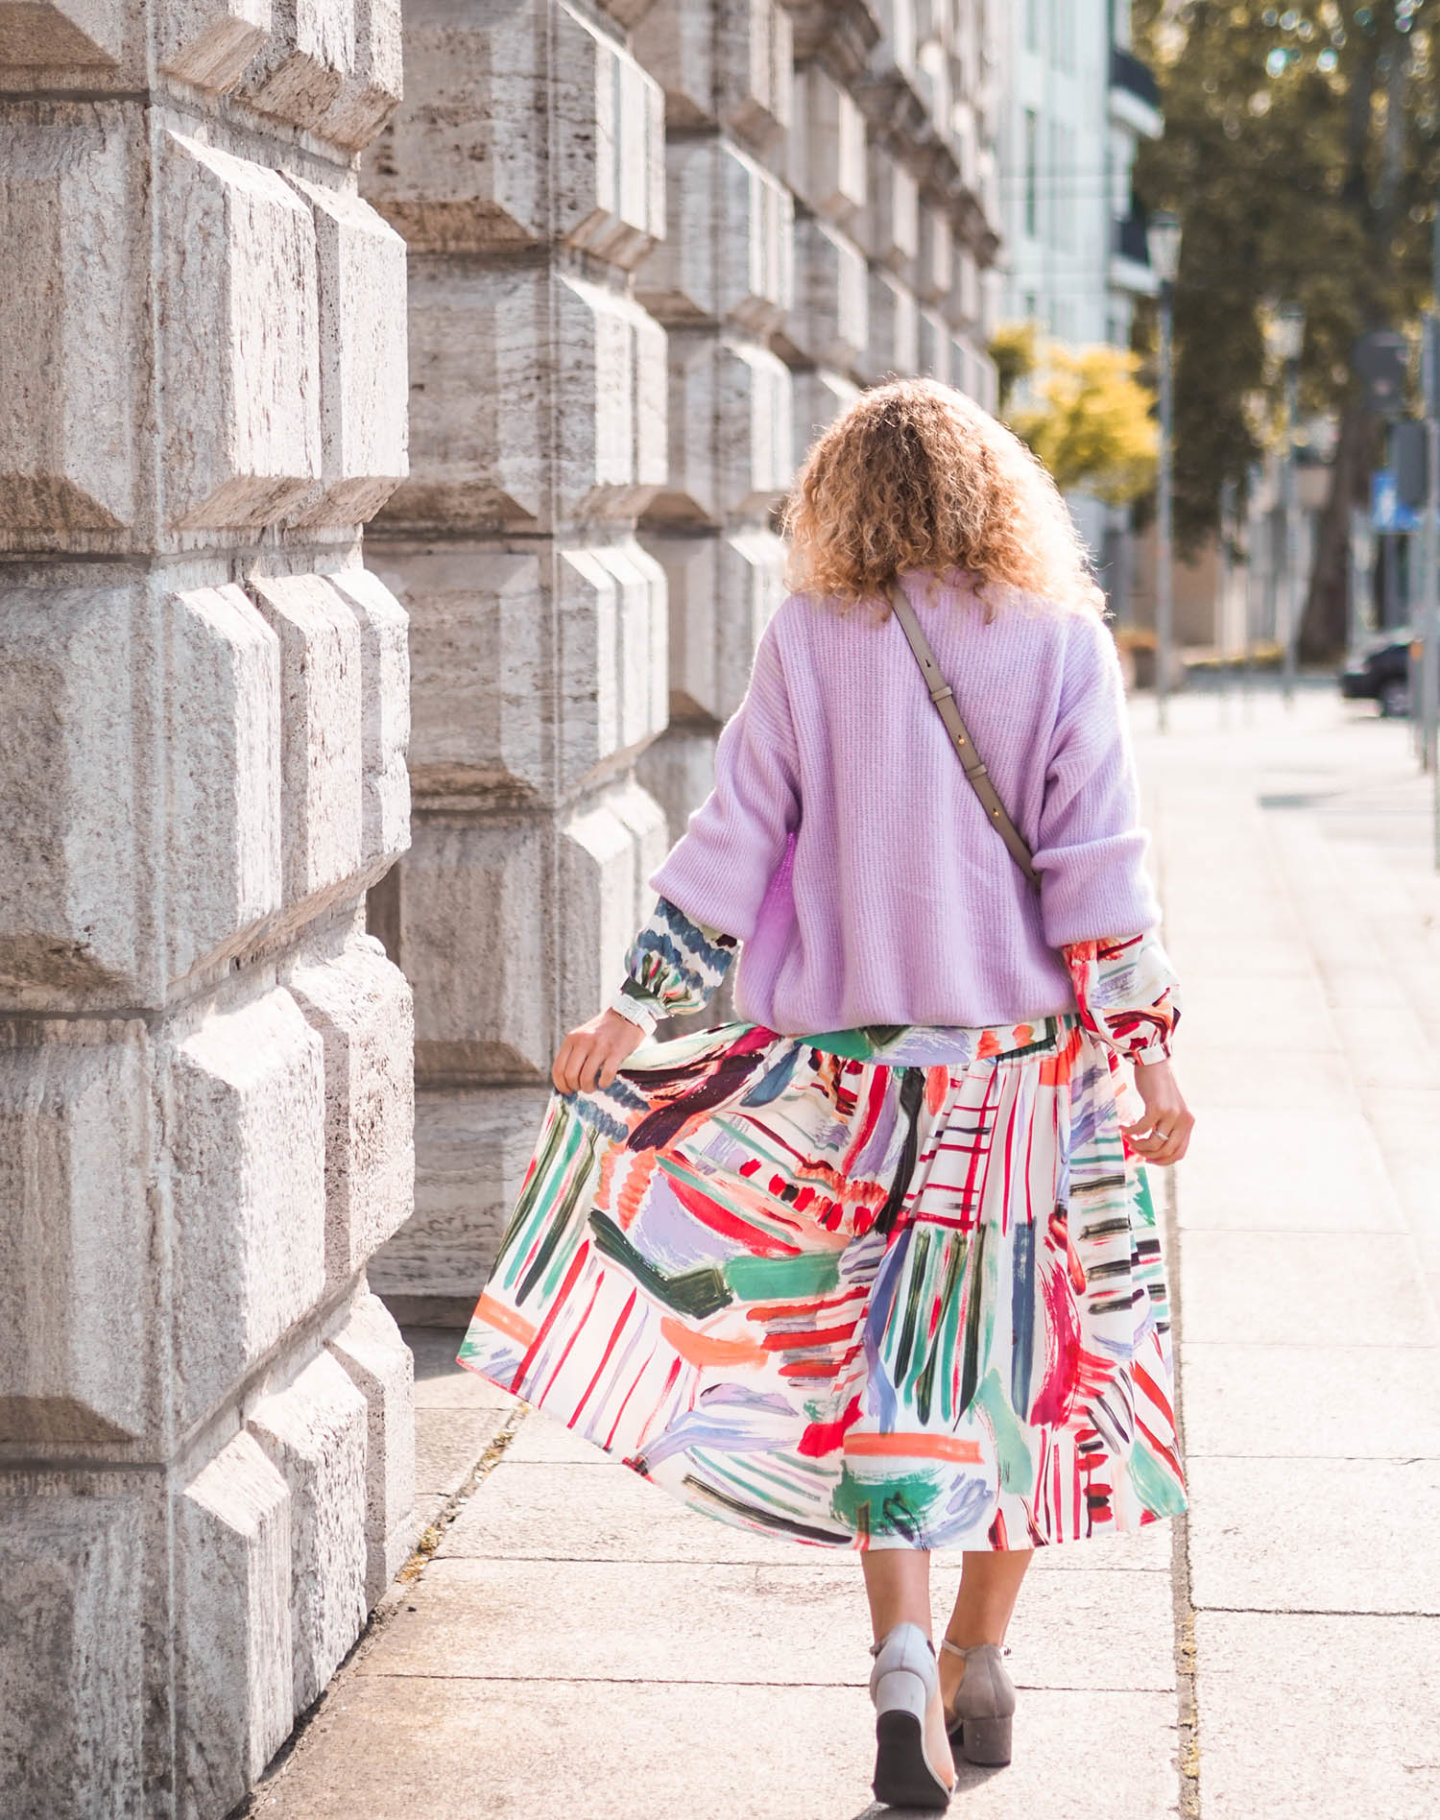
pixel 1324 623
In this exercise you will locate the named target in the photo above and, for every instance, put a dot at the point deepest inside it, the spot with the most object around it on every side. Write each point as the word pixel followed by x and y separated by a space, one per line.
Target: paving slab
pixel 1257 1168
pixel 1317 1718
pixel 1294 1288
pixel 541 1440
pixel 1319 1402
pixel 1315 1535
pixel 647 1621
pixel 448 1442
pixel 434 1748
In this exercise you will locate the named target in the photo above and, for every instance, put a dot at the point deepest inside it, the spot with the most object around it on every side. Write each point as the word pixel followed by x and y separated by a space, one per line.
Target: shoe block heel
pixel 986 1741
pixel 903 1776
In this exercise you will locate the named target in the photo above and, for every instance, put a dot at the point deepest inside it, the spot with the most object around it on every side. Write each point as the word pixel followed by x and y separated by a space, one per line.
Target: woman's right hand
pixel 592 1054
pixel 1163 1134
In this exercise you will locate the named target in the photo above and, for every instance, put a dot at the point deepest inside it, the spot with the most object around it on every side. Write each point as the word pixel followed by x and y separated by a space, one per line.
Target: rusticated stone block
pixel 828 322
pixel 611 423
pixel 933 348
pixel 727 64
pixel 379 1364
pixel 314 1434
pixel 826 148
pixel 372 85
pixel 613 654
pixel 86 780
pixel 820 397
pixel 728 254
pixel 730 414
pixel 679 772
pixel 222 751
pixel 362 1008
pixel 609 135
pixel 55 34
pixel 72 1598
pixel 607 853
pixel 363 383
pixel 894 328
pixel 232 1632
pixel 248 1190
pixel 935 267
pixel 485 445
pixel 502 94
pixel 722 591
pixel 475 945
pixel 892 212
pixel 481 655
pixel 240 362
pixel 477 419
pixel 69 870
pixel 70 322
pixel 472 1151
pixel 76 1251
pixel 302 65
pixel 209 42
pixel 461 166
pixel 321 728
pixel 384 713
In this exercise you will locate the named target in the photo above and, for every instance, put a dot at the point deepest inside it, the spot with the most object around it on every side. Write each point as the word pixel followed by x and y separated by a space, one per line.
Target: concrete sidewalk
pixel 578 1645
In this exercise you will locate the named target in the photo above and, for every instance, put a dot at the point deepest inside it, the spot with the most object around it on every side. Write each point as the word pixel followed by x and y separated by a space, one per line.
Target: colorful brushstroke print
pixel 913 1301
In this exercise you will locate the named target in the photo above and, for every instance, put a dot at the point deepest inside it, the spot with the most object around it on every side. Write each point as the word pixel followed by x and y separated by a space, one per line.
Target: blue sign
pixel 1387 511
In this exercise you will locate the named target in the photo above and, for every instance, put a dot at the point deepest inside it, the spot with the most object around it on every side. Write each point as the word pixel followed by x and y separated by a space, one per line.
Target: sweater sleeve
pixel 1090 853
pixel 720 869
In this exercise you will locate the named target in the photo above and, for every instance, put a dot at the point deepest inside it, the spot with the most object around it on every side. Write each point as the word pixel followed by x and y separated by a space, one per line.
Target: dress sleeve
pixel 674 966
pixel 720 869
pixel 1090 847
pixel 1127 994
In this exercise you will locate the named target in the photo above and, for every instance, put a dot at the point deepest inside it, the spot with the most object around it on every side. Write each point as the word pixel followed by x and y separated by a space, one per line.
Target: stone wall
pixel 654 246
pixel 206 1452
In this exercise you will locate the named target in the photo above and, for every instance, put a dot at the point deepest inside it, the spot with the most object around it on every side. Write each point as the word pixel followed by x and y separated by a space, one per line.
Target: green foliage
pixel 1301 154
pixel 1012 348
pixel 1091 423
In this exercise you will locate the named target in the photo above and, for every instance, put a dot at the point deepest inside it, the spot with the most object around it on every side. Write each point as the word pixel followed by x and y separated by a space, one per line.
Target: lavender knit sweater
pixel 843 846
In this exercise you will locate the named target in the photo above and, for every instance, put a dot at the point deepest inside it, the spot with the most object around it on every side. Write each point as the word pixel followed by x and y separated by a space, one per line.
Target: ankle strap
pixel 965 1651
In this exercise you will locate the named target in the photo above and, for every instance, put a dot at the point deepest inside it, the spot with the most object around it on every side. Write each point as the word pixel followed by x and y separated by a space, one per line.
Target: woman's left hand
pixel 1163 1135
pixel 592 1054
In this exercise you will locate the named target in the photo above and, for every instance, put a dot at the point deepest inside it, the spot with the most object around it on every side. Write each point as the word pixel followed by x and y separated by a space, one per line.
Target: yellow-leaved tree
pixel 1088 416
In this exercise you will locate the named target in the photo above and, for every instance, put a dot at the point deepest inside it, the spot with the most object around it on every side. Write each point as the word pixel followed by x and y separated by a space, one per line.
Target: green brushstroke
pixel 942 1350
pixel 900 1502
pixel 914 1288
pixel 1155 1484
pixel 1012 1452
pixel 779 1279
pixel 695 1293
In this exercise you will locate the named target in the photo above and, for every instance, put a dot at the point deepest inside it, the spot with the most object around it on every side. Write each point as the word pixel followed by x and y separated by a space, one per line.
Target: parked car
pixel 1382 673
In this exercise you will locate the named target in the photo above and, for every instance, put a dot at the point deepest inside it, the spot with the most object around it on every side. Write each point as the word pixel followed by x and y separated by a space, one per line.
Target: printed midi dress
pixel 875 1288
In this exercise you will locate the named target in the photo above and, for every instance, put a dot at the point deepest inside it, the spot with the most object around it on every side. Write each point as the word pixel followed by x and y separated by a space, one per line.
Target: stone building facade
pixel 655 245
pixel 206 1440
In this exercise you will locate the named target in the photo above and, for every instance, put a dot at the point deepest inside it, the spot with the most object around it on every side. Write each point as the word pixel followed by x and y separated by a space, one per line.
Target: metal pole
pixel 1164 604
pixel 1430 552
pixel 1292 533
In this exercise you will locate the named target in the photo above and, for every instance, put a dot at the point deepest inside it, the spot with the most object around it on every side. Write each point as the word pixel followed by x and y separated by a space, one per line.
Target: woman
pixel 877 1267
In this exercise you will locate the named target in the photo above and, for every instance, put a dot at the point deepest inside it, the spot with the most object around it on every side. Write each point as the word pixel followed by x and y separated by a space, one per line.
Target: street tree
pixel 1302 152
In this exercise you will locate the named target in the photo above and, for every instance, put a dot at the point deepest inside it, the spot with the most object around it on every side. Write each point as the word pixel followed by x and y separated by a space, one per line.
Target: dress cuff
pixel 645 1012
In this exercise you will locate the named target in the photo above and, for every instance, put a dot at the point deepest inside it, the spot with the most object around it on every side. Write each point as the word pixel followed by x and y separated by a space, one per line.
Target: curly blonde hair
pixel 917 476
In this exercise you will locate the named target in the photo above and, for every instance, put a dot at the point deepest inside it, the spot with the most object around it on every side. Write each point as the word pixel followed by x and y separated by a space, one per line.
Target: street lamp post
pixel 1289 339
pixel 1164 246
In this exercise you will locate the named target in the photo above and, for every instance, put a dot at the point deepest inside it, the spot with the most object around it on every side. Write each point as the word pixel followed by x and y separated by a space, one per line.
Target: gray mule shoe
pixel 979 1724
pixel 903 1682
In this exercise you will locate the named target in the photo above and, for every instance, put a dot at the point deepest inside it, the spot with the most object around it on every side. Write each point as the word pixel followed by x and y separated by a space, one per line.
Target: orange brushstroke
pixel 704 1349
pixel 1055 1070
pixel 504 1320
pixel 916 1447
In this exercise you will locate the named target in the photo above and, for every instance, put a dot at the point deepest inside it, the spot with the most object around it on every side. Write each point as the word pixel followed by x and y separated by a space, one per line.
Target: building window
pixel 1032 173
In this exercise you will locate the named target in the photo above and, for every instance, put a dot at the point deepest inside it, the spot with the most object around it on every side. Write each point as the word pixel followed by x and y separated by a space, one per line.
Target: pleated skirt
pixel 874 1289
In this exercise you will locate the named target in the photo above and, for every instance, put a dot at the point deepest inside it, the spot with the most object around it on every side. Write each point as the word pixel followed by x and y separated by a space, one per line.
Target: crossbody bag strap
pixel 948 708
